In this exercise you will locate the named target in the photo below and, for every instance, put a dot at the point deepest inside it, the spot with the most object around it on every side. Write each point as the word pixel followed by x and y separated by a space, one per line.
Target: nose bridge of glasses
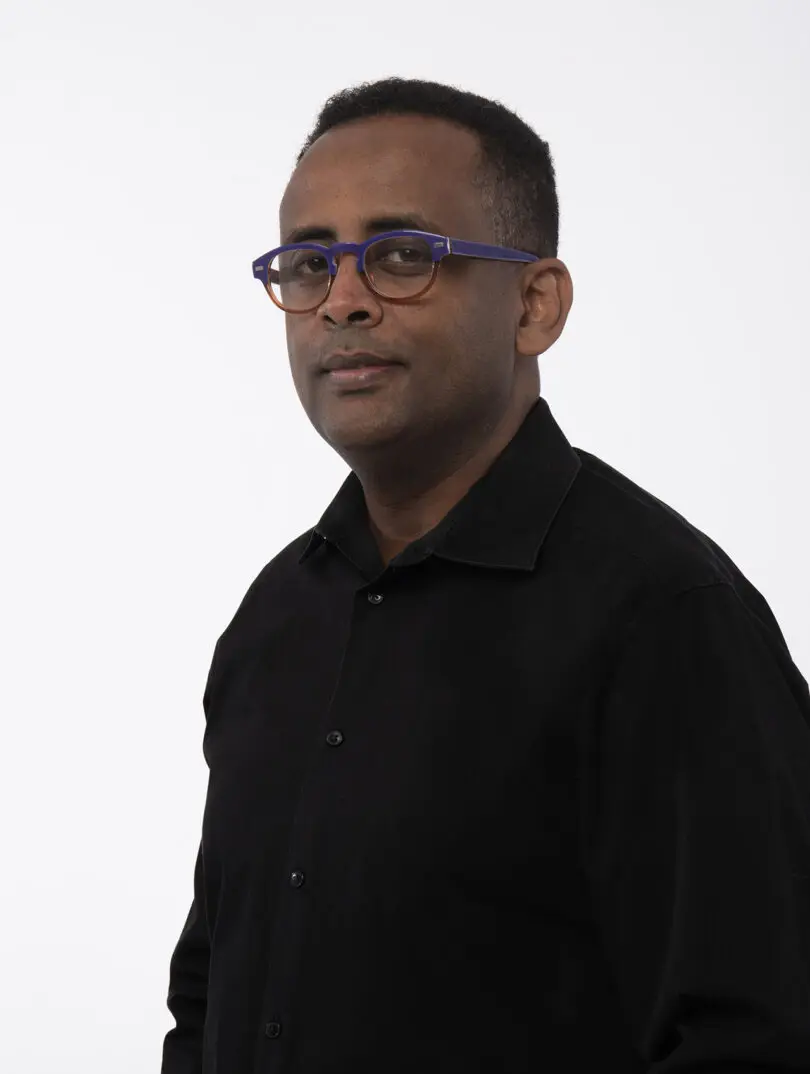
pixel 337 249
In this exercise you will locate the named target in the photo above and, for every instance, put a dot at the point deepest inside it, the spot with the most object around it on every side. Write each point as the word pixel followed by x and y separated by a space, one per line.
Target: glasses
pixel 399 266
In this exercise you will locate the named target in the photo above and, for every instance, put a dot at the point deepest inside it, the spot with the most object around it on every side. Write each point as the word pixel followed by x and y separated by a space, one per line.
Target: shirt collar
pixel 501 521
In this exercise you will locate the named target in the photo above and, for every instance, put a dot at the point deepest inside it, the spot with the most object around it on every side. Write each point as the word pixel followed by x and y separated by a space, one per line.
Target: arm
pixel 188 987
pixel 188 969
pixel 698 841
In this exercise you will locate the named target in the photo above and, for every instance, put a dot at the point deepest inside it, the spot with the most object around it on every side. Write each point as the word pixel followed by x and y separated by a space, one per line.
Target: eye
pixel 401 255
pixel 309 264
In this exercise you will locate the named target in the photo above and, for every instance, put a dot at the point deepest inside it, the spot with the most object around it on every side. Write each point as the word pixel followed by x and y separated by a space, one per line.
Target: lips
pixel 355 360
pixel 368 376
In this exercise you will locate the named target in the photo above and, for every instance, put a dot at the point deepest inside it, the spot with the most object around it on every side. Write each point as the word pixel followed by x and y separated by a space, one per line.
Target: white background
pixel 155 455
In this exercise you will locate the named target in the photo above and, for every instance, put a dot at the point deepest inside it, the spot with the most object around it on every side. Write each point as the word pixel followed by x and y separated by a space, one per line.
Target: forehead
pixel 384 165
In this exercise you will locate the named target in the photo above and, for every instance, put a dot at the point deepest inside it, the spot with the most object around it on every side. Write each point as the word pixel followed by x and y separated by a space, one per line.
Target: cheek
pixel 290 333
pixel 481 325
pixel 300 359
pixel 299 349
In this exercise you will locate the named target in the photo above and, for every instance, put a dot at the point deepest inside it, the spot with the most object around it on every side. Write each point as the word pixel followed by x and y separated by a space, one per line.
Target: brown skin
pixel 421 436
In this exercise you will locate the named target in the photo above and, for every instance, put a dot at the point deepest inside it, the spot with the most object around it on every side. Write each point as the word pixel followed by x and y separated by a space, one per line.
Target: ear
pixel 547 292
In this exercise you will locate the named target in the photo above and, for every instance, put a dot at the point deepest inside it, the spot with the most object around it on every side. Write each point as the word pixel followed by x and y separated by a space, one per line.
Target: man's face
pixel 456 343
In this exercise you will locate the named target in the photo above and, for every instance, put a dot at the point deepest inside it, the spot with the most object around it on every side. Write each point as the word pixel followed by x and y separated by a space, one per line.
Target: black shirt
pixel 533 797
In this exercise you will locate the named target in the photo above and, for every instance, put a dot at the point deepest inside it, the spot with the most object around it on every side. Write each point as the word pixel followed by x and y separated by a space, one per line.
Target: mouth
pixel 346 359
pixel 357 369
pixel 361 376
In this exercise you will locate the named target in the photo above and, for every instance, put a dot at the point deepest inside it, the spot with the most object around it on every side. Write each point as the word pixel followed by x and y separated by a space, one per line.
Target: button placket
pixel 296 877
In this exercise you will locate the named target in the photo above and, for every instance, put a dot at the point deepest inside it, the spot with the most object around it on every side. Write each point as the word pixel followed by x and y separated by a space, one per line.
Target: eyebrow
pixel 397 222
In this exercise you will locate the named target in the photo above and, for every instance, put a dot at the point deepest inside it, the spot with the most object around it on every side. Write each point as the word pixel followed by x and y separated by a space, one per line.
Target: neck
pixel 405 503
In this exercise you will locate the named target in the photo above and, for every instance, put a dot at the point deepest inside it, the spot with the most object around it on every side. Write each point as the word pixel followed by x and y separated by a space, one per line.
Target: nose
pixel 350 298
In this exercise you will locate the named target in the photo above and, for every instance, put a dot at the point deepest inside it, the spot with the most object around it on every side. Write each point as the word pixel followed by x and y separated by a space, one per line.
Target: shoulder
pixel 653 554
pixel 629 530
pixel 271 589
pixel 620 539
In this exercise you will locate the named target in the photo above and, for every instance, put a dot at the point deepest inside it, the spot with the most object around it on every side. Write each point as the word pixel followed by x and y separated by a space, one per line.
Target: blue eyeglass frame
pixel 440 246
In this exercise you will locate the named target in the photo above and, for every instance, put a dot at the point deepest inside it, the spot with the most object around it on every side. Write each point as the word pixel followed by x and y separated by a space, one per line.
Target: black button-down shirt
pixel 535 796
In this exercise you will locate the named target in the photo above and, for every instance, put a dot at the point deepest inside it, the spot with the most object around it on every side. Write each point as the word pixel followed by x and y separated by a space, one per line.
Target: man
pixel 509 763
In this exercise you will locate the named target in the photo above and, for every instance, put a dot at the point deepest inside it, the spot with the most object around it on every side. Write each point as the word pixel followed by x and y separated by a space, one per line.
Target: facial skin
pixel 426 431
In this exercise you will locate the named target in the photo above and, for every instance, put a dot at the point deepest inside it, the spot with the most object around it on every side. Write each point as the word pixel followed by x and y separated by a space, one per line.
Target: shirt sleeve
pixel 699 838
pixel 188 988
pixel 187 998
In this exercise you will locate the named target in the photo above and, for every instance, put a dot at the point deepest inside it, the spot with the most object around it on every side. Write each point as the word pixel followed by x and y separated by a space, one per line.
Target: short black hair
pixel 516 176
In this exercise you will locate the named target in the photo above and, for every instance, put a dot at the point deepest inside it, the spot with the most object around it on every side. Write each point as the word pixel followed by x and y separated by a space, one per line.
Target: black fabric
pixel 533 797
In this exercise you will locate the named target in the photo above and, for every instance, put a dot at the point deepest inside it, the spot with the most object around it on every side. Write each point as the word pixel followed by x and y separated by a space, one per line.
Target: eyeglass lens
pixel 396 268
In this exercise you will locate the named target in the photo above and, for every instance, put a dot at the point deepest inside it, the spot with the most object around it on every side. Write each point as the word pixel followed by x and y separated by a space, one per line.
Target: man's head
pixel 430 157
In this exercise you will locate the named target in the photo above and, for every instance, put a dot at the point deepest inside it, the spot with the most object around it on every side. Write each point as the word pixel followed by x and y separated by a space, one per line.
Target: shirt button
pixel 296 879
pixel 334 738
pixel 375 598
pixel 272 1029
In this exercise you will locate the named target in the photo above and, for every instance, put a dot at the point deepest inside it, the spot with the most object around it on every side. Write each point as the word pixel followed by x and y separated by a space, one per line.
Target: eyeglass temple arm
pixel 491 253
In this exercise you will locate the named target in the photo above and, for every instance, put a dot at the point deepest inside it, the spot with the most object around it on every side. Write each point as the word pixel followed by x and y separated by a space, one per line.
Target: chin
pixel 351 432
